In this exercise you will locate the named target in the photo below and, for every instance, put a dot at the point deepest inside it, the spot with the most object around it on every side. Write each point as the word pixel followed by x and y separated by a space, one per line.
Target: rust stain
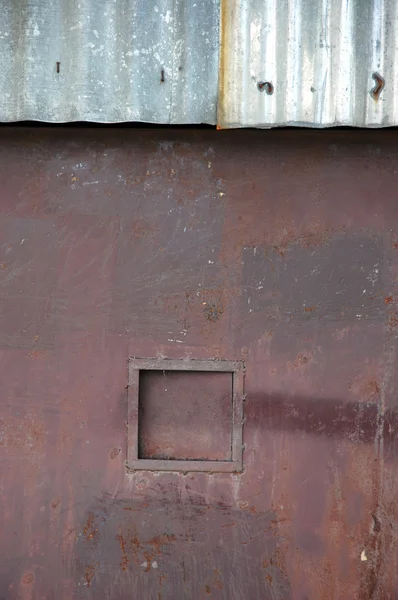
pixel 213 312
pixel 378 87
pixel 243 505
pixel 150 549
pixel 309 309
pixel 225 44
pixel 90 529
pixel 301 360
pixel 90 572
pixel 161 540
pixel 36 354
pixel 114 453
pixel 135 508
pixel 149 556
pixel 28 579
pixel 141 228
pixel 217 579
pixel 134 545
pixel 122 544
pixel 208 589
pixel 314 238
pixel 392 320
pixel 56 503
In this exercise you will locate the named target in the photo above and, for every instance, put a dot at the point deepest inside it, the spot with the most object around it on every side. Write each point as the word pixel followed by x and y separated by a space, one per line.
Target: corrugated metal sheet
pixel 282 62
pixel 105 60
pixel 300 62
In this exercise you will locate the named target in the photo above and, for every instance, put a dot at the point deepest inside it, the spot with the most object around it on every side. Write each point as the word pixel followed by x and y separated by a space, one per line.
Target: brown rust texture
pixel 276 248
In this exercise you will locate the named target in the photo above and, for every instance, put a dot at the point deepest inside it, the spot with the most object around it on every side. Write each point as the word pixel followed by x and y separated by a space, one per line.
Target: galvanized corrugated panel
pixel 300 62
pixel 111 56
pixel 282 62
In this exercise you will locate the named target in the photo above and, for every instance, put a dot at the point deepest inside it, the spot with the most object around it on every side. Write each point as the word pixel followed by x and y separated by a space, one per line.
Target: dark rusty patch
pixel 378 87
pixel 134 545
pixel 213 312
pixel 376 523
pixel 149 556
pixel 309 309
pixel 28 578
pixel 114 453
pixel 90 528
pixel 122 544
pixel 392 320
pixel 89 573
pixel 55 503
pixel 36 354
pixel 162 540
pixel 310 239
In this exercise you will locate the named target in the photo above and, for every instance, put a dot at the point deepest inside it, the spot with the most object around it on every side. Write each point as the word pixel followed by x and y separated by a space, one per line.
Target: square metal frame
pixel 237 370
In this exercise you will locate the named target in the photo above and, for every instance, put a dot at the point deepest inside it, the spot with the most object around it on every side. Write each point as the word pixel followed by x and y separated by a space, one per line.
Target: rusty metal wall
pixel 280 250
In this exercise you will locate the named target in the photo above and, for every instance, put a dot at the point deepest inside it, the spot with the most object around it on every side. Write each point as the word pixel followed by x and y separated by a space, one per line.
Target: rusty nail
pixel 28 578
pixel 162 76
pixel 378 88
pixel 266 86
pixel 58 67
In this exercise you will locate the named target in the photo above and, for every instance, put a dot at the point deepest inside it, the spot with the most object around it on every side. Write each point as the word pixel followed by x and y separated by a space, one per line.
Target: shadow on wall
pixel 362 423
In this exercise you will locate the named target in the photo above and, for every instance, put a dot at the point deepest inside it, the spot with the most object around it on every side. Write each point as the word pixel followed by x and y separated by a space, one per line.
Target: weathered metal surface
pixel 114 246
pixel 299 62
pixel 185 415
pixel 280 62
pixel 130 60
pixel 166 419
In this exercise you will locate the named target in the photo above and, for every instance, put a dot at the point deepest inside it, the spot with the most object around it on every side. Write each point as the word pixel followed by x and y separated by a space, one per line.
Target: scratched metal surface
pixel 114 244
